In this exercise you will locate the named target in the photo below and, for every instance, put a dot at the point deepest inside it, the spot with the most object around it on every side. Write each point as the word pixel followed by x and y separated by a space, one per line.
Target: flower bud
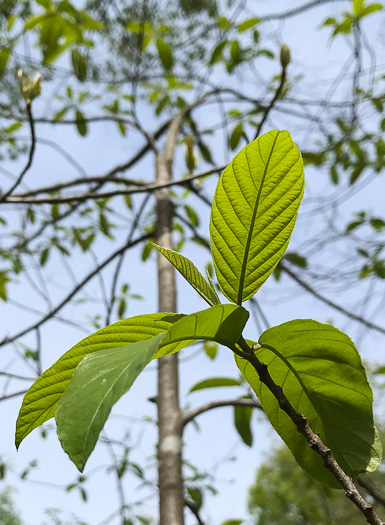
pixel 30 88
pixel 285 57
pixel 191 157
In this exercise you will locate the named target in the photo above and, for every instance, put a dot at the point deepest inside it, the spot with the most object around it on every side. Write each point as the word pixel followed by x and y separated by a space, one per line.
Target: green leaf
pixel 104 376
pixel 321 374
pixel 247 24
pixel 196 495
pixel 357 7
pixel 4 57
pixel 191 273
pixel 79 65
pixel 191 214
pixel 215 382
pixel 165 54
pixel 217 54
pixel 242 420
pixel 253 213
pixel 236 135
pixel 356 173
pixel 81 123
pixel 39 403
pixel 211 349
pixel 222 323
pixel 372 8
pixel 334 175
pixel 98 383
pixel 296 259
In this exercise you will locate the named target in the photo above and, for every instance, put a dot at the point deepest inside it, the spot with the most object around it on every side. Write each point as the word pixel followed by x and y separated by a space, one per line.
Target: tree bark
pixel 171 493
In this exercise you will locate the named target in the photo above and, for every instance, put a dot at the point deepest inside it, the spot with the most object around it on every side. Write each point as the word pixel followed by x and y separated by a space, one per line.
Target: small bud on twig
pixel 285 57
pixel 30 88
pixel 191 157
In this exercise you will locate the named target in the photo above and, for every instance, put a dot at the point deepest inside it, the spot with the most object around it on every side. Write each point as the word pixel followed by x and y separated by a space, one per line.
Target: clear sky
pixel 215 447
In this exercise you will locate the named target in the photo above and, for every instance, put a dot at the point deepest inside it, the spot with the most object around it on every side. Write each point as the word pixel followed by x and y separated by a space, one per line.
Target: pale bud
pixel 191 157
pixel 30 88
pixel 285 57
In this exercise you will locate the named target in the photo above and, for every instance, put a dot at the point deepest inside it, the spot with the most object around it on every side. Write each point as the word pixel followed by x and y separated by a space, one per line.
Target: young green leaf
pixel 242 420
pixel 165 54
pixel 104 376
pixel 254 211
pixel 191 273
pixel 39 403
pixel 81 123
pixel 214 382
pixel 321 374
pixel 97 384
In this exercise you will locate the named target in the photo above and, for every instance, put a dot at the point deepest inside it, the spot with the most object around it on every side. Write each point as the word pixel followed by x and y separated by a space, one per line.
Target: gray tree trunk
pixel 171 496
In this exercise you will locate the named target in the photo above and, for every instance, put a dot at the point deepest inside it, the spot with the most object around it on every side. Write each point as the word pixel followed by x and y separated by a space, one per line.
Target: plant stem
pixel 313 439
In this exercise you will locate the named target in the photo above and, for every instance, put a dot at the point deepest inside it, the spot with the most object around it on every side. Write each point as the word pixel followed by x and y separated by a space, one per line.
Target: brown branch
pixel 311 437
pixel 32 148
pixel 190 416
pixel 78 182
pixel 194 509
pixel 20 199
pixel 273 101
pixel 75 290
pixel 337 307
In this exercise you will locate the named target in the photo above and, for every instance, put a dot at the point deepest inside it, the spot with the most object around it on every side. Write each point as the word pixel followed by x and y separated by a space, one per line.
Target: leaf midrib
pixel 248 242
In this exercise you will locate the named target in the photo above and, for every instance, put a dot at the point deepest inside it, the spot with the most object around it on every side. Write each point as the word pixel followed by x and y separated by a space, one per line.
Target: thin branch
pixel 370 489
pixel 314 441
pixel 194 509
pixel 20 199
pixel 30 156
pixel 73 292
pixel 337 307
pixel 14 394
pixel 273 101
pixel 190 416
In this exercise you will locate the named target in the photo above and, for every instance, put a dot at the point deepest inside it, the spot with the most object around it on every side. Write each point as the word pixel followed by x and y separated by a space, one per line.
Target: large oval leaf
pixel 39 403
pixel 103 377
pixel 321 374
pixel 254 211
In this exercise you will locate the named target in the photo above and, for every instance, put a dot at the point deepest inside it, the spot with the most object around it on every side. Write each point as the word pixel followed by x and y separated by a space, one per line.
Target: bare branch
pixel 334 305
pixel 190 416
pixel 315 442
pixel 30 155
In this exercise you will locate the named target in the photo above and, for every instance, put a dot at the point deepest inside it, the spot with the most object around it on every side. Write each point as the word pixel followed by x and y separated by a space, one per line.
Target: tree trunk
pixel 171 496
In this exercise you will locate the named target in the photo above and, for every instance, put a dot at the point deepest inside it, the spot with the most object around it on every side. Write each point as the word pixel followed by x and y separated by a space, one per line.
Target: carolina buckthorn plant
pixel 307 375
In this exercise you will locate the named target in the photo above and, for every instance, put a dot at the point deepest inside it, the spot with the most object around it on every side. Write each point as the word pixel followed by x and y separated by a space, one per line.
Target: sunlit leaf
pixel 254 211
pixel 321 374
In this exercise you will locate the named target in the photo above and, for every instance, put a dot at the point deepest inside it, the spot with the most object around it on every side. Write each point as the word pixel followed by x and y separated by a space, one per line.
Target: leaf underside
pixel 103 377
pixel 254 211
pixel 191 273
pixel 321 374
pixel 39 403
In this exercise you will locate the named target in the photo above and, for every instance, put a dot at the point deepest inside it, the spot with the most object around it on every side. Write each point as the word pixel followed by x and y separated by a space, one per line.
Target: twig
pixel 30 156
pixel 273 101
pixel 14 394
pixel 380 498
pixel 194 509
pixel 311 437
pixel 20 199
pixel 190 416
pixel 337 307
